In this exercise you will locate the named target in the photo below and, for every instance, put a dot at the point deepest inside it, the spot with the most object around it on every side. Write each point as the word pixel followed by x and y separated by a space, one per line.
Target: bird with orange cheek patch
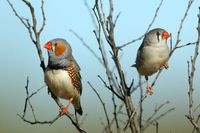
pixel 152 54
pixel 62 75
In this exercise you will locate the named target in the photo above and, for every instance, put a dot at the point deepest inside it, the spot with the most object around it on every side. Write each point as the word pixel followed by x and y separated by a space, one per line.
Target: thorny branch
pixel 191 74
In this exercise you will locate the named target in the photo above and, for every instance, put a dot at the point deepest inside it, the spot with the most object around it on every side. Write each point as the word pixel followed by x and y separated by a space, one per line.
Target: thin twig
pixel 188 44
pixel 108 31
pixel 104 107
pixel 129 120
pixel 153 20
pixel 39 122
pixel 157 118
pixel 110 88
pixel 115 113
pixel 196 108
pixel 141 100
pixel 191 74
pixel 157 126
pixel 113 119
pixel 44 18
pixel 149 120
pixel 87 46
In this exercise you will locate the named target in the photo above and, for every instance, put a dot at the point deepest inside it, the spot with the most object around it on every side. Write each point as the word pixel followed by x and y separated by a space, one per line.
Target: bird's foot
pixel 150 90
pixel 64 109
pixel 166 65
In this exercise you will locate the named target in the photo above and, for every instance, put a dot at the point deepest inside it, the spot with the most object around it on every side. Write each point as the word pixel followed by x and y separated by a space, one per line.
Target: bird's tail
pixel 77 107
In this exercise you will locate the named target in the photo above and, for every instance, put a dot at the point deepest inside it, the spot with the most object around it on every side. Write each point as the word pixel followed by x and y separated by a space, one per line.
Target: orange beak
pixel 48 45
pixel 165 35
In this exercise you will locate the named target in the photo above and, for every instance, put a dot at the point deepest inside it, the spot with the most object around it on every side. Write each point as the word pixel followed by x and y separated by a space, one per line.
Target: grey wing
pixel 139 57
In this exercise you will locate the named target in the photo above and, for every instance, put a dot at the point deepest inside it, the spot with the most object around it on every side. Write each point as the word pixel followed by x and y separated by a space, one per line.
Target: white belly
pixel 60 83
pixel 153 59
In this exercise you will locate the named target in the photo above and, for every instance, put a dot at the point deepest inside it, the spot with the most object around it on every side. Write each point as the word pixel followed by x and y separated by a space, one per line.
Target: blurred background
pixel 19 59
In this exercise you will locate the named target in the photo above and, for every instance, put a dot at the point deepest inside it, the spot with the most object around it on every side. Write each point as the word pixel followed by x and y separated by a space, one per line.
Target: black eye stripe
pixel 158 34
pixel 56 44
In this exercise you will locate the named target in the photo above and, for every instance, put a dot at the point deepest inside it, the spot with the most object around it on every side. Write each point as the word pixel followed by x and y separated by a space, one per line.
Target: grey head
pixel 156 36
pixel 59 51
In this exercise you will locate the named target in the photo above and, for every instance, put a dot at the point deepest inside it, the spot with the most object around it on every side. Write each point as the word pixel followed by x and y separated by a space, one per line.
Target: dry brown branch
pixel 191 74
pixel 107 26
pixel 153 20
pixel 104 107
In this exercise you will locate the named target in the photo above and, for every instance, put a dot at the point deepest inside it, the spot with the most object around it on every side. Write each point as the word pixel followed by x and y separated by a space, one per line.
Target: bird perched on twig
pixel 152 54
pixel 62 75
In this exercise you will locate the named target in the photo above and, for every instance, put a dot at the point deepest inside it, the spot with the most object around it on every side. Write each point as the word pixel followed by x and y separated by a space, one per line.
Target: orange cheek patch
pixel 59 49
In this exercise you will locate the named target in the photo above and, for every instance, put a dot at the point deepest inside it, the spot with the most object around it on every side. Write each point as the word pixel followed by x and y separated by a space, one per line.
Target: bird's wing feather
pixel 139 57
pixel 74 72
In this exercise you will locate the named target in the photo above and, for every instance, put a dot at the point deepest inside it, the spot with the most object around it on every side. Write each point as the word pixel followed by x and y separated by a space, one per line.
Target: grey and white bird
pixel 152 54
pixel 62 75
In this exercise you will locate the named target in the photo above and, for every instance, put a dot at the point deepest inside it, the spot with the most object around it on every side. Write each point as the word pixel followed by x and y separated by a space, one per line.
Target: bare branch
pixel 188 44
pixel 181 26
pixel 110 88
pixel 115 113
pixel 155 112
pixel 196 108
pixel 157 126
pixel 24 21
pixel 39 122
pixel 191 74
pixel 113 119
pixel 108 31
pixel 44 18
pixel 129 120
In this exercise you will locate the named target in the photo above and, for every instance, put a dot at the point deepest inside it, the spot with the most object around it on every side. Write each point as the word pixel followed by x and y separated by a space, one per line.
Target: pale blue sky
pixel 19 59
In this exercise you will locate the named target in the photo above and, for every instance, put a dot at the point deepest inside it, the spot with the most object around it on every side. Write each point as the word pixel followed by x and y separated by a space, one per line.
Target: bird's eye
pixel 56 44
pixel 158 36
